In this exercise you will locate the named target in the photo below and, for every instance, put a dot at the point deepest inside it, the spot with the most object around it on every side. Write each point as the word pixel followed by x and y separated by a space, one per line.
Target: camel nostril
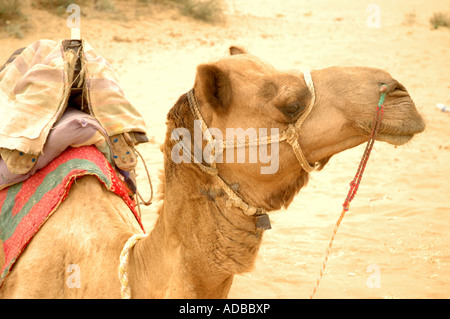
pixel 400 87
pixel 395 89
pixel 391 86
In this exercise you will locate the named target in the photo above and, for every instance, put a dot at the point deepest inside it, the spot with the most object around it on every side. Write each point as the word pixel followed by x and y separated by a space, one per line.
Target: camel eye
pixel 293 109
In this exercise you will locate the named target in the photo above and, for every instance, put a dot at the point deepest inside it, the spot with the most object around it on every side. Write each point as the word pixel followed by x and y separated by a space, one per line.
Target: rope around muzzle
pixel 292 133
pixel 354 184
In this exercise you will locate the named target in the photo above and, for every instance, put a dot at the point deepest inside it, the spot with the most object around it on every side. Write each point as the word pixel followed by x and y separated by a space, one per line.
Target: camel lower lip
pixel 394 139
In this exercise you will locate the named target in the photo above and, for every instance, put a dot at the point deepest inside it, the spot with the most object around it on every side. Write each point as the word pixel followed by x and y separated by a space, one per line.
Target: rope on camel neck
pixel 354 184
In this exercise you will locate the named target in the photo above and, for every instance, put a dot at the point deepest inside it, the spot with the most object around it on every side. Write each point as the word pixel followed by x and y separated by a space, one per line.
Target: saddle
pixel 117 148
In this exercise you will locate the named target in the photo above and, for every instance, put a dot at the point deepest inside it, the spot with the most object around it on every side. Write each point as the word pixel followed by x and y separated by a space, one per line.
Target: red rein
pixel 354 184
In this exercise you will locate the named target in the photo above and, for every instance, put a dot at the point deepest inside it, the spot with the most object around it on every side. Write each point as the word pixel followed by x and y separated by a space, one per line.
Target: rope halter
pixel 290 135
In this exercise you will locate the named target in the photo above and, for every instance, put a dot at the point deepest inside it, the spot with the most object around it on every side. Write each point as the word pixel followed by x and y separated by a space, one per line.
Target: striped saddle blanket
pixel 24 207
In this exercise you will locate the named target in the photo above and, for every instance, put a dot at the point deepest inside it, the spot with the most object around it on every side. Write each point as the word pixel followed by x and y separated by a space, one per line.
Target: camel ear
pixel 236 50
pixel 214 85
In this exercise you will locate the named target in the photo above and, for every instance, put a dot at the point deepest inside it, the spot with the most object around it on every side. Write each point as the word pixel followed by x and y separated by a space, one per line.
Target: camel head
pixel 242 91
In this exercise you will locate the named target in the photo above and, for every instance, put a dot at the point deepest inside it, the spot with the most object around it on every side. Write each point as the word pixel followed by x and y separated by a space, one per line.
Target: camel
pixel 199 241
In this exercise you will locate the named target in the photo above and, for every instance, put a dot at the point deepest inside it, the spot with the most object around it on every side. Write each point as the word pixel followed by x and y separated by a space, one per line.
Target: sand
pixel 395 240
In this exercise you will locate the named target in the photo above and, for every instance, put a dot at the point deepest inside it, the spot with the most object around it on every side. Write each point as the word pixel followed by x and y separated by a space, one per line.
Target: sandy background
pixel 399 222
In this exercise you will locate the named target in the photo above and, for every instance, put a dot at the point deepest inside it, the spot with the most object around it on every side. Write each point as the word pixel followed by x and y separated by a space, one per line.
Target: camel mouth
pixel 394 139
pixel 399 125
pixel 396 135
pixel 399 135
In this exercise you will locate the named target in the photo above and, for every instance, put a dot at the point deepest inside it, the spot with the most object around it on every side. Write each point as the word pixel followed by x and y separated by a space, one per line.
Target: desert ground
pixel 395 240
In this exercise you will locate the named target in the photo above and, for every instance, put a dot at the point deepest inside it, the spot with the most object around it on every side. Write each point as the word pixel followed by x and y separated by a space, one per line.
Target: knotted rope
pixel 354 184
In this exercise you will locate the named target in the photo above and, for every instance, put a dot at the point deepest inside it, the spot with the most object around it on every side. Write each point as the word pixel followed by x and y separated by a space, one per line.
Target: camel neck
pixel 198 243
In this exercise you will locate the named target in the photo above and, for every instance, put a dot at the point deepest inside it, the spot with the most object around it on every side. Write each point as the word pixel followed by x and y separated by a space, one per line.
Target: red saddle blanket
pixel 27 205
